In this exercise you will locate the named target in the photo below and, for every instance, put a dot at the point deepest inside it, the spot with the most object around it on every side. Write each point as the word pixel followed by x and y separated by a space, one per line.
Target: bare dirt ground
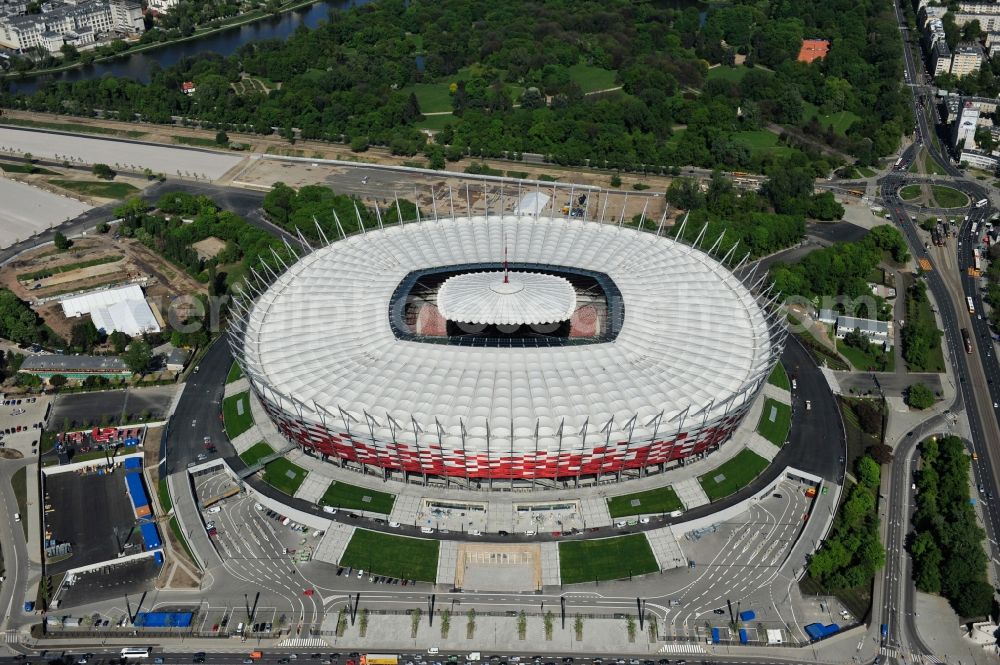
pixel 162 281
pixel 209 247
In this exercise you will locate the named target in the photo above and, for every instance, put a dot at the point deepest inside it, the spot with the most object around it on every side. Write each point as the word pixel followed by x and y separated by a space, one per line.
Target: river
pixel 226 42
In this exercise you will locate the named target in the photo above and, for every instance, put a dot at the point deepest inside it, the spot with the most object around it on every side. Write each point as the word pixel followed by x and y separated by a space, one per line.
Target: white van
pixel 433 651
pixel 17 517
pixel 426 529
pixel 239 628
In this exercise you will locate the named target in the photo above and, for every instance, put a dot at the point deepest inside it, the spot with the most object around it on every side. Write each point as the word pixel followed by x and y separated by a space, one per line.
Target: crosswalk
pixel 889 652
pixel 304 642
pixel 12 636
pixel 682 648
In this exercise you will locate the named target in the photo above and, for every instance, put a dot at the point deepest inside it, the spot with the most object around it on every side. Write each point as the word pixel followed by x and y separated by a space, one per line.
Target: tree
pixel 85 336
pixel 103 171
pixel 221 137
pixel 61 242
pixel 57 381
pixel 138 356
pixel 119 341
pixel 880 452
pixel 616 180
pixel 919 396
pixel 103 227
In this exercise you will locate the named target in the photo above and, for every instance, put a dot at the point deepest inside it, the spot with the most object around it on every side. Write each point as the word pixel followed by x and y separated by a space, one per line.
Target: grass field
pixel 197 141
pixel 840 121
pixel 605 559
pixel 873 358
pixel 284 476
pixel 175 528
pixel 164 493
pixel 932 167
pixel 591 78
pixel 432 97
pixel 865 171
pixel 909 192
pixel 104 190
pixel 55 270
pixel 351 497
pixel 72 127
pixel 396 556
pixel 779 377
pixel 726 73
pixel 435 123
pixel 660 500
pixel 736 474
pixel 236 424
pixel 947 197
pixel 775 431
pixel 235 373
pixel 7 167
pixel 259 450
pixel 761 140
pixel 19 481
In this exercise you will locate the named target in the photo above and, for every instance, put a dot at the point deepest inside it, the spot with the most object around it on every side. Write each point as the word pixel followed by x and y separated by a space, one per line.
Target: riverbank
pixel 199 34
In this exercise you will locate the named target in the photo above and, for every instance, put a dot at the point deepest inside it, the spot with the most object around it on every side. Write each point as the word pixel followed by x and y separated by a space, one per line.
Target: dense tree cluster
pixel 947 544
pixel 745 219
pixel 920 396
pixel 843 268
pixel 19 323
pixel 920 336
pixel 852 553
pixel 509 66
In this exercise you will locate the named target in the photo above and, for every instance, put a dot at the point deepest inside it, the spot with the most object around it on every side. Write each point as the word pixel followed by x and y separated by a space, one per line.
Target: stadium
pixel 534 350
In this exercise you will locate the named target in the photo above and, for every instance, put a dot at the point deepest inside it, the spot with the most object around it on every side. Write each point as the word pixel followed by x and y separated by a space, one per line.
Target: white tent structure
pixel 123 309
pixel 532 204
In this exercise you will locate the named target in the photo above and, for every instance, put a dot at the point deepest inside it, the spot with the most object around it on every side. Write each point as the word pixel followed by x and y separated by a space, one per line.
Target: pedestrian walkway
pixel 247 440
pixel 236 387
pixel 331 547
pixel 447 562
pixel 313 488
pixel 666 549
pixel 762 446
pixel 691 493
pixel 551 567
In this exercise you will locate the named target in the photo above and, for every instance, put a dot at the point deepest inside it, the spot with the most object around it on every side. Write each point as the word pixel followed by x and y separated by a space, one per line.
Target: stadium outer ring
pixel 356 442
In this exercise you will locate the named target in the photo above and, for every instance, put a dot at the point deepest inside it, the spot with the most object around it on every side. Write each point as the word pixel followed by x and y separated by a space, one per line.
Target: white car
pixel 621 524
pixel 258 507
pixel 394 525
pixel 426 529
pixel 809 405
pixel 214 509
pixel 529 533
pixel 361 573
pixel 330 510
pixel 643 520
pixel 475 532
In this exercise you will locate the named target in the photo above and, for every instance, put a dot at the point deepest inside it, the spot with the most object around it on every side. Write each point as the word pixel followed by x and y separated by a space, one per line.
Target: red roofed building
pixel 187 87
pixel 813 49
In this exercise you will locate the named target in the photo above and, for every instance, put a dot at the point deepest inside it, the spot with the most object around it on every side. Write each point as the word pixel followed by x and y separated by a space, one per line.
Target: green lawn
pixel 435 123
pixel 761 140
pixel 284 476
pixel 605 558
pixel 874 357
pixel 840 121
pixel 396 556
pixel 351 497
pixel 104 190
pixel 779 377
pixel 25 168
pixel 865 171
pixel 175 528
pixel 235 373
pixel 726 73
pixel 259 450
pixel 735 474
pixel 591 78
pixel 236 423
pixel 197 141
pixel 71 127
pixel 164 493
pixel 431 96
pixel 932 167
pixel 775 431
pixel 19 481
pixel 659 500
pixel 947 197
pixel 919 310
pixel 909 192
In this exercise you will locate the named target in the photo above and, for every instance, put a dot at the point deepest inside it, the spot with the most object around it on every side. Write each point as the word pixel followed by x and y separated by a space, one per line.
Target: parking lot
pixel 21 418
pixel 115 580
pixel 111 407
pixel 92 513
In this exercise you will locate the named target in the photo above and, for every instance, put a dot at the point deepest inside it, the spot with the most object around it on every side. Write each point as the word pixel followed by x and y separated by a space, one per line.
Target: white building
pixel 161 6
pixel 126 15
pixel 124 309
pixel 978 159
pixel 963 135
pixel 70 22
pixel 967 59
pixel 877 332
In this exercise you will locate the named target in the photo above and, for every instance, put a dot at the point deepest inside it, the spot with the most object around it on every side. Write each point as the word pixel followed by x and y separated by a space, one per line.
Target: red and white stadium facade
pixel 696 344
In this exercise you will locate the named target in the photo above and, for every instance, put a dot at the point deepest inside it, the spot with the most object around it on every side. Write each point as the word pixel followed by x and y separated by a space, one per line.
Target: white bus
pixel 975 227
pixel 981 203
pixel 136 652
pixel 972 307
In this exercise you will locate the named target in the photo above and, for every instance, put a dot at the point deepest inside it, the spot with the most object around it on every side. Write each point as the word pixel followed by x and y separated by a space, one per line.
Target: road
pixel 16 564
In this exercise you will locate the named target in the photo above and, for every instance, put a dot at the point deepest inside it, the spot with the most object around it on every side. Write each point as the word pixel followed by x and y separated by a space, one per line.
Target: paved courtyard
pixel 26 210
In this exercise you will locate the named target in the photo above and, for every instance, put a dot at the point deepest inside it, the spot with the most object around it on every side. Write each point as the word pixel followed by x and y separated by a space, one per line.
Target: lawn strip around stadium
pixel 734 475
pixel 237 422
pixel 395 556
pixel 779 377
pixel 606 559
pixel 352 497
pixel 659 500
pixel 256 452
pixel 775 430
pixel 284 476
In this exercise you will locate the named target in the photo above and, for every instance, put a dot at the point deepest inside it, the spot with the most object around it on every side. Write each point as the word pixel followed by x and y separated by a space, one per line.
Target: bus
pixel 968 301
pixel 379 659
pixel 966 340
pixel 981 203
pixel 136 652
pixel 975 227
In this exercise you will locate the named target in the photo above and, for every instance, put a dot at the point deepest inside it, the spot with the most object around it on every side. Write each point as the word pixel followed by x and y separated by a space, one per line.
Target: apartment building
pixel 967 59
pixel 70 22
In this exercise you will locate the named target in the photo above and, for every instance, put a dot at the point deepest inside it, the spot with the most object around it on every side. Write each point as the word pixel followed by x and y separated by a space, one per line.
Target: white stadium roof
pixel 692 343
pixel 124 309
pixel 524 298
